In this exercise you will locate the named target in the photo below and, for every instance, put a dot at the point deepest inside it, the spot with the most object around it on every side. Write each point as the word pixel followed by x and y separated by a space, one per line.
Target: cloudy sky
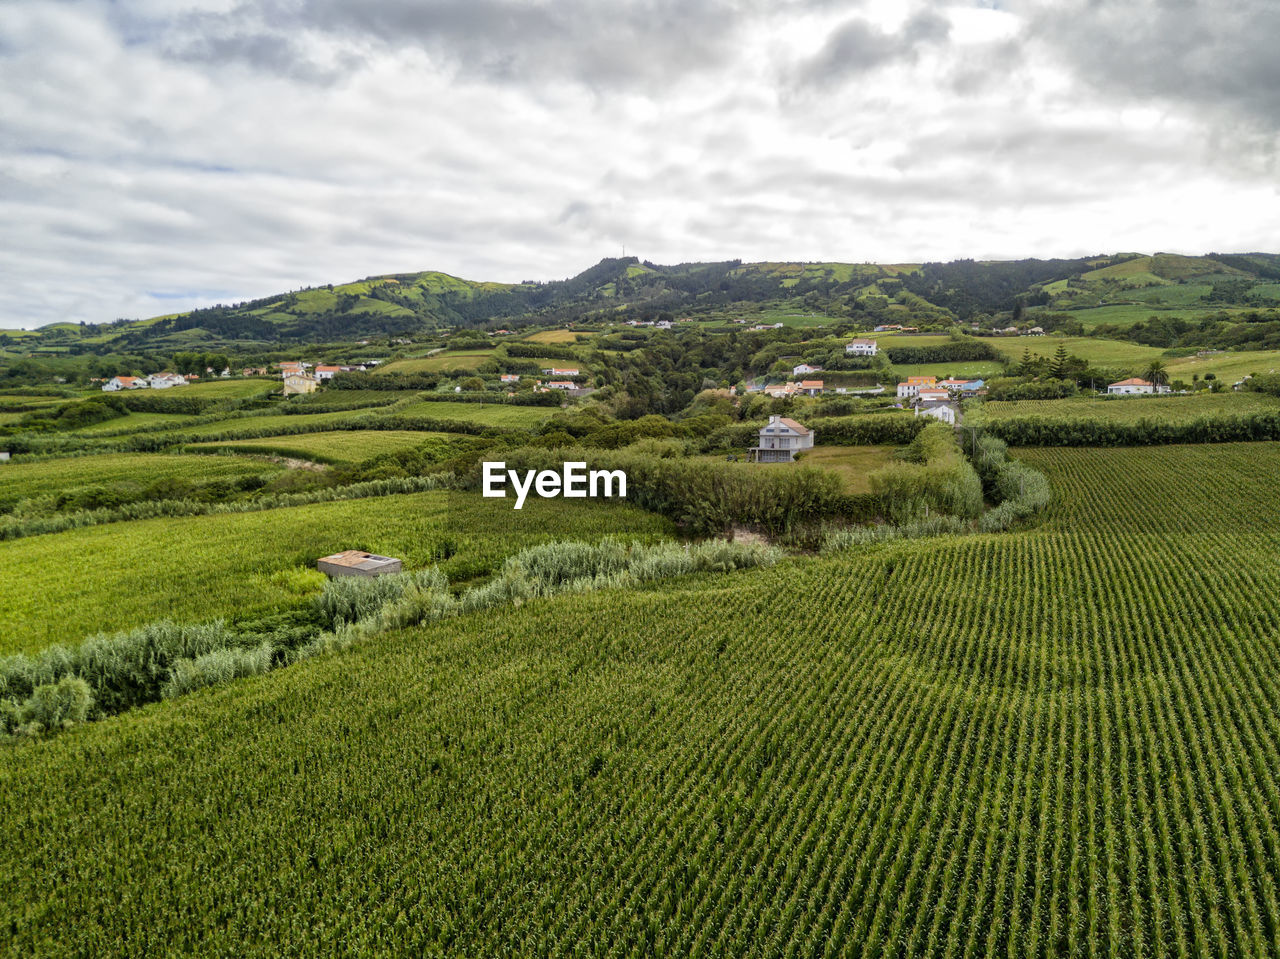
pixel 162 154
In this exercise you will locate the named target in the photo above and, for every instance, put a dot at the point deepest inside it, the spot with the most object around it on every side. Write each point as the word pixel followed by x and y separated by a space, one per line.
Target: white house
pixel 558 372
pixel 162 381
pixel 327 372
pixel 861 348
pixel 780 439
pixel 124 383
pixel 1134 385
pixel 933 395
pixel 804 368
pixel 510 378
pixel 946 414
pixel 561 384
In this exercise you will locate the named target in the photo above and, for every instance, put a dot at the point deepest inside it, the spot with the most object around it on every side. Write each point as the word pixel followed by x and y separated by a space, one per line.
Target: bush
pixel 50 706
pixel 219 666
pixel 936 479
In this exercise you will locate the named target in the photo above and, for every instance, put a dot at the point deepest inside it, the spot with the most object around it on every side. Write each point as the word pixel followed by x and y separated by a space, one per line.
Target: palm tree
pixel 1156 375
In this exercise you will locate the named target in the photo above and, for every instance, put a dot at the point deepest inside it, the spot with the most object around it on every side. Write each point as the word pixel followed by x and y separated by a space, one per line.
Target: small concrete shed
pixel 355 562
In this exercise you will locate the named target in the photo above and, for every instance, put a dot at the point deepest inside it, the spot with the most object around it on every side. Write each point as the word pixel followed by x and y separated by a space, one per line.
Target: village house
pixel 888 328
pixel 962 386
pixel 941 412
pixel 1133 386
pixel 805 368
pixel 124 383
pixel 559 372
pixel 510 378
pixel 327 372
pixel 915 384
pixel 296 382
pixel 561 384
pixel 934 395
pixel 861 348
pixel 162 381
pixel 780 439
pixel 810 387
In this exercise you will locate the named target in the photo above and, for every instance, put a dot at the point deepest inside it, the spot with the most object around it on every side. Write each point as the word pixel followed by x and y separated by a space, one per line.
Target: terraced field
pixel 1055 742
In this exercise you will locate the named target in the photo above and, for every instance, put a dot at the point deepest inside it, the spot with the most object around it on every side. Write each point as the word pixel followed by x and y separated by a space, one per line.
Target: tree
pixel 1058 368
pixel 1156 374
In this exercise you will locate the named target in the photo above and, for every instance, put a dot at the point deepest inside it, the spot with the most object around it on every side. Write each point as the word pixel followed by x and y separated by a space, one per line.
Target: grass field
pixel 851 463
pixel 61 587
pixel 487 414
pixel 1126 409
pixel 133 421
pixel 1227 366
pixel 556 336
pixel 42 477
pixel 1097 351
pixel 445 360
pixel 271 421
pixel 338 446
pixel 230 389
pixel 964 369
pixel 1061 741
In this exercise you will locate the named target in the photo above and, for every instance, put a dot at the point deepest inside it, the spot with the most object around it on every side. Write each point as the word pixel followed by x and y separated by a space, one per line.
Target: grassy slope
pixel 1076 720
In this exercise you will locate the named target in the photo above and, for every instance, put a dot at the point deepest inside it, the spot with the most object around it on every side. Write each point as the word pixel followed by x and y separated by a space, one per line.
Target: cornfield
pixel 1061 741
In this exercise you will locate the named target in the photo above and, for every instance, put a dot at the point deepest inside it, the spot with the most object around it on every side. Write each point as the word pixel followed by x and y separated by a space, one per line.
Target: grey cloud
pixel 599 45
pixel 1220 58
pixel 857 47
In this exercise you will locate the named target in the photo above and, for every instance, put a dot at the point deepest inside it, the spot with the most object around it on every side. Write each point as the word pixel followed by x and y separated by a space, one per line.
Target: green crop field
pixel 229 389
pixel 1225 365
pixel 1126 409
pixel 134 421
pixel 19 480
pixel 60 587
pixel 336 446
pixel 961 369
pixel 444 360
pixel 486 414
pixel 272 421
pixel 1061 741
pixel 1097 351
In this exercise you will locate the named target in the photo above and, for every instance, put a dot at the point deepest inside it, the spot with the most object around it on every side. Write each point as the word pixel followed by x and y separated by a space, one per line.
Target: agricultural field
pixel 1225 365
pixel 229 389
pixel 852 464
pixel 28 480
pixel 133 421
pixel 556 336
pixel 486 414
pixel 444 360
pixel 1126 409
pixel 62 587
pixel 1096 350
pixel 961 369
pixel 1060 741
pixel 334 446
pixel 265 423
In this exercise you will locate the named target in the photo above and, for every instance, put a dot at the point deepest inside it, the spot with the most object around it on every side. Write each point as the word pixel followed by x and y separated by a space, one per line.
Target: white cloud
pixel 179 156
